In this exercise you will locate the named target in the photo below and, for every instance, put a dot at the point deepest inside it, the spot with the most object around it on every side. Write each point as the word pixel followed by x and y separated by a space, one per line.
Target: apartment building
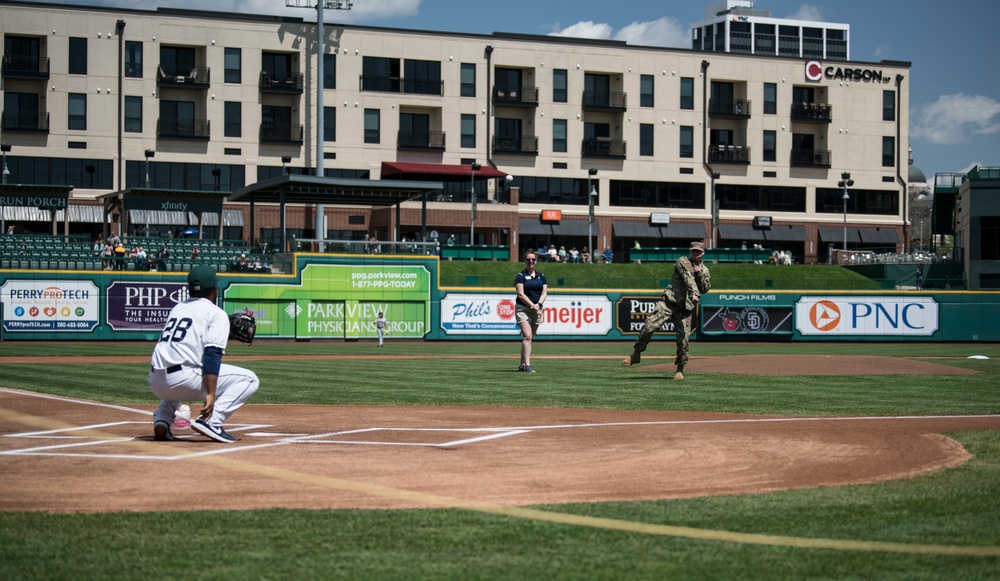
pixel 661 146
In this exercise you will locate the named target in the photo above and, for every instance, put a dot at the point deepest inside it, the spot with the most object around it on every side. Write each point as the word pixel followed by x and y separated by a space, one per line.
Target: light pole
pixel 845 182
pixel 5 147
pixel 149 153
pixel 285 159
pixel 472 194
pixel 591 195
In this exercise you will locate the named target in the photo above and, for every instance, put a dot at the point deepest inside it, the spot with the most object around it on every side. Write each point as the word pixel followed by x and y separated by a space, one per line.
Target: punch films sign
pixel 871 316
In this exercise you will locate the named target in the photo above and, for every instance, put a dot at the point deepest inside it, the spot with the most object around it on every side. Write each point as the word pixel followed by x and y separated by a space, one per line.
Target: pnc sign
pixel 872 316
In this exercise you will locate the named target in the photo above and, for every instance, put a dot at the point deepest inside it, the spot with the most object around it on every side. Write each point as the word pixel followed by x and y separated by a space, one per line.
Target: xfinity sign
pixel 872 316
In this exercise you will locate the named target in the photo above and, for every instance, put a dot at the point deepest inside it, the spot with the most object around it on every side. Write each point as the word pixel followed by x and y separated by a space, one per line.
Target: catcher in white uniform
pixel 187 361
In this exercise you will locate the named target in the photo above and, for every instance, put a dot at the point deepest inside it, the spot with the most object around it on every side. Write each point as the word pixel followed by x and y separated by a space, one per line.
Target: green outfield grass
pixel 957 506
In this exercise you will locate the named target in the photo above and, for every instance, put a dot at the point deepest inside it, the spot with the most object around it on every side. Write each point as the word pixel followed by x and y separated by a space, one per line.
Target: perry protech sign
pixel 815 71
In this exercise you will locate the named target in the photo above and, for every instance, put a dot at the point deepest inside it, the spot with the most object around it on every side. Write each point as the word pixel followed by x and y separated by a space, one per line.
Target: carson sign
pixel 815 71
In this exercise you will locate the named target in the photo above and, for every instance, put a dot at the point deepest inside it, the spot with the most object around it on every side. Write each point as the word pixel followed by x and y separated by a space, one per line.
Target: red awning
pixel 392 168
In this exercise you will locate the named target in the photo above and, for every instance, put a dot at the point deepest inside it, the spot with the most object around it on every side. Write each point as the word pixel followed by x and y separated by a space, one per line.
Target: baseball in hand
pixel 182 417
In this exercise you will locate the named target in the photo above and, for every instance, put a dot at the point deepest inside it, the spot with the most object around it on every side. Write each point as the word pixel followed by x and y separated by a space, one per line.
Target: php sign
pixel 873 316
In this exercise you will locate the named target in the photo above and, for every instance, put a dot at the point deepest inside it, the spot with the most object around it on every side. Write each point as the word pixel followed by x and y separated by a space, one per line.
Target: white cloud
pixel 661 32
pixel 807 12
pixel 955 119
pixel 588 29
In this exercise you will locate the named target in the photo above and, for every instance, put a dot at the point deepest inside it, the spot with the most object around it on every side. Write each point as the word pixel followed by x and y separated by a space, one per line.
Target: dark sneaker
pixel 520 367
pixel 528 369
pixel 631 359
pixel 161 432
pixel 217 434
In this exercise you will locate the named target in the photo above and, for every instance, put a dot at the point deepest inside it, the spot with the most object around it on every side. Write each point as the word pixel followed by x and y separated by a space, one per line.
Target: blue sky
pixel 954 92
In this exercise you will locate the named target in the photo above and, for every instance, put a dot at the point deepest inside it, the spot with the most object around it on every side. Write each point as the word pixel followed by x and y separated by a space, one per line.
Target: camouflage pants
pixel 682 324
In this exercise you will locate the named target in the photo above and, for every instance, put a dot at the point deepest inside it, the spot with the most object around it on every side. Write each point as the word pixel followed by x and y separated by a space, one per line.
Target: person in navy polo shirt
pixel 531 290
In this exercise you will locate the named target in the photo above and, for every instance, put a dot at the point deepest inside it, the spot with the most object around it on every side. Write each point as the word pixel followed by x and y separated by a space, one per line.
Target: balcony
pixel 729 108
pixel 603 147
pixel 523 145
pixel 423 87
pixel 736 154
pixel 194 78
pixel 812 113
pixel 604 101
pixel 280 133
pixel 525 97
pixel 25 67
pixel 194 129
pixel 810 158
pixel 430 140
pixel 24 122
pixel 288 84
pixel 380 84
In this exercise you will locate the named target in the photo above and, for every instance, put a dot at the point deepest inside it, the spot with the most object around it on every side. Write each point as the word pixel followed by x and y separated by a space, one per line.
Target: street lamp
pixel 591 196
pixel 285 159
pixel 472 193
pixel 5 147
pixel 149 153
pixel 845 182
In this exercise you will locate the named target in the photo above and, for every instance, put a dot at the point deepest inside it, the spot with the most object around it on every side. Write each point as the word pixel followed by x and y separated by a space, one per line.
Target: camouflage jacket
pixel 686 284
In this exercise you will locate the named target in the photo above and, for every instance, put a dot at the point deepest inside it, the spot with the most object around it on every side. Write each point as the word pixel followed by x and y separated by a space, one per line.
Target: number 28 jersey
pixel 192 326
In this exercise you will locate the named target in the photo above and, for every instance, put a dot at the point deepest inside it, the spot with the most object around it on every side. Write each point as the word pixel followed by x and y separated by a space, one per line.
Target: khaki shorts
pixel 524 314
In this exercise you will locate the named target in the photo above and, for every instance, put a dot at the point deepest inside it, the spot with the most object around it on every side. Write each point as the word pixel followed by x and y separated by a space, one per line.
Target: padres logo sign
pixel 824 315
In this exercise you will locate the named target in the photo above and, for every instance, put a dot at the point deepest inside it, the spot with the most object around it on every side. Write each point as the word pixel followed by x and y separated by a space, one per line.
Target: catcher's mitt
pixel 242 327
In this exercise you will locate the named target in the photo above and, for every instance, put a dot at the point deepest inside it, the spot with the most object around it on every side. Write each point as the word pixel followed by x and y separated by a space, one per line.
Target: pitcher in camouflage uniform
pixel 690 280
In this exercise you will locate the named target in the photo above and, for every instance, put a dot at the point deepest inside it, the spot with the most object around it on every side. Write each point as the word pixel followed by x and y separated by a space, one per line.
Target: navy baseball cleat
pixel 217 434
pixel 161 432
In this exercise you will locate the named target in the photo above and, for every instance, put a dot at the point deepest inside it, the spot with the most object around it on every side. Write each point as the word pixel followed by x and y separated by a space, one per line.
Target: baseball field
pixel 441 461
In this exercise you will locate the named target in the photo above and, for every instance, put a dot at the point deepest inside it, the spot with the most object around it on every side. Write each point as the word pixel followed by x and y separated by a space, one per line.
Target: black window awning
pixel 879 235
pixel 835 235
pixel 680 230
pixel 675 230
pixel 535 227
pixel 623 229
pixel 743 232
pixel 787 233
pixel 299 189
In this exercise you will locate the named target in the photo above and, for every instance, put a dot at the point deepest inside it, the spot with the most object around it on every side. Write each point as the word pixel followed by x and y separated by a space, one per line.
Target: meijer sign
pixel 876 315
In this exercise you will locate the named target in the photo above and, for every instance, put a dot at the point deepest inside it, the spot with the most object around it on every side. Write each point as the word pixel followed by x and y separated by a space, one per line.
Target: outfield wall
pixel 337 297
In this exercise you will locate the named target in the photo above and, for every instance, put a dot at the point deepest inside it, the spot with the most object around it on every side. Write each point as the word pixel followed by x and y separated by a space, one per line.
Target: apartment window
pixel 234 119
pixel 278 65
pixel 888 105
pixel 559 85
pixel 468 130
pixel 330 71
pixel 177 60
pixel 380 74
pixel 770 98
pixel 372 126
pixel 687 93
pixel 559 135
pixel 422 77
pixel 329 124
pixel 77 111
pixel 77 56
pixel 646 91
pixel 770 146
pixel 133 59
pixel 233 65
pixel 468 80
pixel 133 114
pixel 646 139
pixel 888 151
pixel 687 141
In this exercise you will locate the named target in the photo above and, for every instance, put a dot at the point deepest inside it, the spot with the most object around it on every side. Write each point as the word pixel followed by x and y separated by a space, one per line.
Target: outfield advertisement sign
pixel 631 314
pixel 50 305
pixel 873 316
pixel 142 306
pixel 339 301
pixel 493 314
pixel 747 321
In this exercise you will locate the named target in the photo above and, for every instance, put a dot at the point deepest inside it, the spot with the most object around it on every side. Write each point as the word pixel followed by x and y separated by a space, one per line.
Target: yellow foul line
pixel 435 500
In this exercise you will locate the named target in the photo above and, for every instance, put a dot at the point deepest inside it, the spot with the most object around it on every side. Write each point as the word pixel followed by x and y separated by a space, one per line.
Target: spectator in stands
pixel 562 254
pixel 140 259
pixel 636 245
pixel 608 256
pixel 108 255
pixel 10 230
pixel 194 253
pixel 98 246
pixel 119 256
pixel 257 266
pixel 542 254
pixel 22 249
pixel 376 247
pixel 451 240
pixel 162 256
pixel 585 255
pixel 553 253
pixel 241 263
pixel 574 255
